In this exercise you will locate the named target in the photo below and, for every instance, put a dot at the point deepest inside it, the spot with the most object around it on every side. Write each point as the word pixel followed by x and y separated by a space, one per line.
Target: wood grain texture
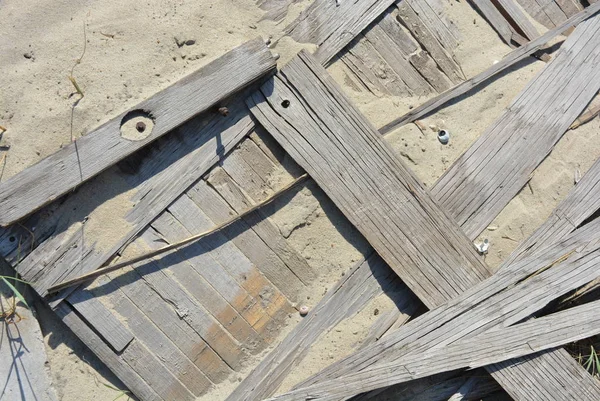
pixel 519 18
pixel 491 347
pixel 527 131
pixel 495 19
pixel 101 319
pixel 332 25
pixel 509 60
pixel 238 200
pixel 402 223
pixel 55 251
pixel 152 337
pixel 134 381
pixel 244 236
pixel 511 295
pixel 581 203
pixel 357 287
pixel 103 147
pixel 170 315
pixel 424 35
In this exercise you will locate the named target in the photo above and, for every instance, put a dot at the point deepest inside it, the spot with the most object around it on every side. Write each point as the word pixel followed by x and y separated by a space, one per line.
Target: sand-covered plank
pixel 95 152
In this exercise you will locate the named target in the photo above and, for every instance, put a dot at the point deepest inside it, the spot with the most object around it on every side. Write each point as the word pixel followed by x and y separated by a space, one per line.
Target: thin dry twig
pixel 96 273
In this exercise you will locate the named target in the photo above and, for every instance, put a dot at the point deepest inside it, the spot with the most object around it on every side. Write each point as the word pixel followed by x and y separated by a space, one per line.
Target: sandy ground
pixel 131 51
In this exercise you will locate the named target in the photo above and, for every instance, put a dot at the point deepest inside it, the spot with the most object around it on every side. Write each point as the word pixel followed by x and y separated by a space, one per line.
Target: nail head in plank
pixel 348 159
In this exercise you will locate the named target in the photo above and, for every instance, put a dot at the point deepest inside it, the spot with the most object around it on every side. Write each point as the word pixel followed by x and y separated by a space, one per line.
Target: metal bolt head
pixel 140 126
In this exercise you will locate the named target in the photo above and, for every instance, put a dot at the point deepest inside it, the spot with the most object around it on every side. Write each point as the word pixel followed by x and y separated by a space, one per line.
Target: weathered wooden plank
pixel 247 240
pixel 419 29
pixel 152 337
pixel 101 319
pixel 553 11
pixel 189 214
pixel 569 7
pixel 558 371
pixel 514 293
pixel 260 223
pixel 491 347
pixel 175 162
pixel 495 19
pixel 332 25
pixel 376 73
pixel 89 155
pixel 172 319
pixel 361 284
pixel 528 131
pixel 210 264
pixel 401 222
pixel 126 374
pixel 537 13
pixel 434 17
pixel 509 60
pixel 199 285
pixel 520 19
pixel 442 388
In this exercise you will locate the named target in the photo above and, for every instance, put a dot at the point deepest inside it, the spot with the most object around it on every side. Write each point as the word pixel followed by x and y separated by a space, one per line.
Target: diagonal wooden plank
pixel 528 130
pixel 509 60
pixel 491 347
pixel 95 152
pixel 511 295
pixel 350 161
pixel 519 18
pixel 364 281
pixel 288 99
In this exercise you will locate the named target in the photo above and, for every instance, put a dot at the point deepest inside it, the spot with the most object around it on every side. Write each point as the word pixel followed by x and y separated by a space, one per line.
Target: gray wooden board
pixel 205 263
pixel 247 240
pixel 511 295
pixel 509 60
pixel 198 283
pixel 59 173
pixel 535 11
pixel 520 19
pixel 118 365
pixel 260 223
pixel 387 203
pixel 491 347
pixel 421 31
pixel 41 247
pixel 104 322
pixel 170 317
pixel 153 338
pixel 332 25
pixel 192 312
pixel 527 132
pixel 558 371
pixel 442 388
pixel 581 202
pixel 359 285
pixel 495 19
pixel 434 16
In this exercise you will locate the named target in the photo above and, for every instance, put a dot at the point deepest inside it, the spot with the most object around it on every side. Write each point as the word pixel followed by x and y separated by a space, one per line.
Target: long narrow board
pixel 491 347
pixel 350 295
pixel 528 131
pixel 95 152
pixel 509 60
pixel 309 116
pixel 511 295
